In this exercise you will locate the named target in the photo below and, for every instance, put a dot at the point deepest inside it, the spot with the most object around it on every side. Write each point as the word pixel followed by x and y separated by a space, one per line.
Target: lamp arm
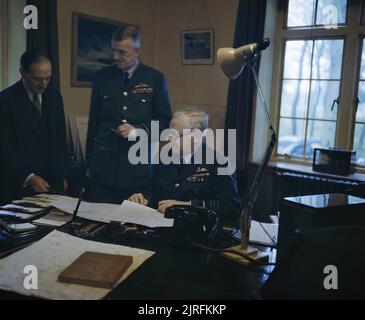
pixel 259 177
pixel 266 109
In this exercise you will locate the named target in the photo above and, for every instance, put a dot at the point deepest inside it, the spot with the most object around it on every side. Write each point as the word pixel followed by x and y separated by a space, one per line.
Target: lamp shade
pixel 232 61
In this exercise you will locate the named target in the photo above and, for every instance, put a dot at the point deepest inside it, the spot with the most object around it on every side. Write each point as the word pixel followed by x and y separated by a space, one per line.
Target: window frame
pixel 352 35
pixel 286 8
pixel 307 119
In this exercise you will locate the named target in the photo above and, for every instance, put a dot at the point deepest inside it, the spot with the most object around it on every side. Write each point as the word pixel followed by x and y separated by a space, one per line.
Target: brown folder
pixel 96 269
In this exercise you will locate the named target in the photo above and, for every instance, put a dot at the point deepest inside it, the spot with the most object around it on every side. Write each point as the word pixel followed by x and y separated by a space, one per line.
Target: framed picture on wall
pixel 197 46
pixel 91 50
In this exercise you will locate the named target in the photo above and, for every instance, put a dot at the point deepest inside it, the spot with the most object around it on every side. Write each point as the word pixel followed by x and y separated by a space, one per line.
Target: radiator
pixel 294 184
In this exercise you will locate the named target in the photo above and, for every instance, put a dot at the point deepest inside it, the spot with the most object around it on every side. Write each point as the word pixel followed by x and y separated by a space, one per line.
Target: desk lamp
pixel 232 62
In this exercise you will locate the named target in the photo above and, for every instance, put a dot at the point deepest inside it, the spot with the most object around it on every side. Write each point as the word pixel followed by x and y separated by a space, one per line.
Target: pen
pixel 78 204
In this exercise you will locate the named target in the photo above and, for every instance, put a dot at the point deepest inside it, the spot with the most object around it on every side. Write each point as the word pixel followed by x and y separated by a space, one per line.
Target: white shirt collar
pixel 187 158
pixel 31 94
pixel 132 70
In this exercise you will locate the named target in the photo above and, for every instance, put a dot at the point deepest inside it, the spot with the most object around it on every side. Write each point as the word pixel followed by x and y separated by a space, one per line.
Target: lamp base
pixel 253 253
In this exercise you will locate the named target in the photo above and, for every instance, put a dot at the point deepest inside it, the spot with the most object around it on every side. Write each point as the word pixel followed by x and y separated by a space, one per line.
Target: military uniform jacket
pixel 198 183
pixel 143 99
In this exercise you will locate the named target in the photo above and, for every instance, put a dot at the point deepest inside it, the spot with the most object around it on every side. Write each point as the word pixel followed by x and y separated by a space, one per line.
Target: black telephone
pixel 194 224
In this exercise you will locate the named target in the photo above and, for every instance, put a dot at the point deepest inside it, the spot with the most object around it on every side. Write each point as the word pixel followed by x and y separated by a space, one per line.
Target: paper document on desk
pixel 15 214
pixel 53 219
pixel 102 212
pixel 136 213
pixel 15 207
pixel 259 236
pixel 20 227
pixel 128 212
pixel 28 203
pixel 51 256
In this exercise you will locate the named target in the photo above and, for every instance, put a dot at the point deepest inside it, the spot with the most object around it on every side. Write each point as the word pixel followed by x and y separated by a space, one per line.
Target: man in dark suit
pixel 125 97
pixel 32 131
pixel 201 177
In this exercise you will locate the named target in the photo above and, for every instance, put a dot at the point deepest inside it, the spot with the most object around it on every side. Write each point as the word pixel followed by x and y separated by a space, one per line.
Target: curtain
pixel 242 91
pixel 46 37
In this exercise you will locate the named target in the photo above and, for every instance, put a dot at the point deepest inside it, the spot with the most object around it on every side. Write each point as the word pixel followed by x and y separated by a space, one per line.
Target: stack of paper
pixel 20 209
pixel 27 207
pixel 128 212
pixel 53 219
pixel 21 227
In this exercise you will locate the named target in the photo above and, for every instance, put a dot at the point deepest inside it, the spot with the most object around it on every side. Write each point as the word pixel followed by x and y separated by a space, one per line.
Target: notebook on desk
pixel 96 269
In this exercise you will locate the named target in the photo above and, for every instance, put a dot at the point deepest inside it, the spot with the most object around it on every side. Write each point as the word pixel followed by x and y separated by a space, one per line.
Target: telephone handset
pixel 193 223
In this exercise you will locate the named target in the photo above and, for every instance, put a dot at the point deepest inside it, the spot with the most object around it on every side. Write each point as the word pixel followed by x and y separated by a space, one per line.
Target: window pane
pixel 320 134
pixel 301 13
pixel 359 144
pixel 297 59
pixel 360 115
pixel 291 136
pixel 327 59
pixel 359 137
pixel 323 93
pixel 294 100
pixel 362 70
pixel 331 12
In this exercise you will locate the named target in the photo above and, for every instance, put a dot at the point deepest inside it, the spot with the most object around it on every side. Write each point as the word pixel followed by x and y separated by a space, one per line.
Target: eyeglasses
pixel 38 79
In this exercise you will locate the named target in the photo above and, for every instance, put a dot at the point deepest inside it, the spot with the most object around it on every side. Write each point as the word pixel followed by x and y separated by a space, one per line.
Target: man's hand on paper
pixel 38 184
pixel 163 205
pixel 138 198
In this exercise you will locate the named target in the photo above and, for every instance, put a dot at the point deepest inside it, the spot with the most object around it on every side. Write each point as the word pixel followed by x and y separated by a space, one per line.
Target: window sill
pixel 306 168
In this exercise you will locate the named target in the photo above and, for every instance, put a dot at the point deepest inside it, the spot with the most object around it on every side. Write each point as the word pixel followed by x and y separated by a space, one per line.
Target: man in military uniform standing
pixel 126 96
pixel 193 181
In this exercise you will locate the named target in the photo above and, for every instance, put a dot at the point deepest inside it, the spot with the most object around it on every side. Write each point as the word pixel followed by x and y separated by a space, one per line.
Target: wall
pixel 141 12
pixel 161 23
pixel 13 40
pixel 202 85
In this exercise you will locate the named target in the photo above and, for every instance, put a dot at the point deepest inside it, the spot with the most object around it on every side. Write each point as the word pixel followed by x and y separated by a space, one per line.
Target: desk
pixel 306 213
pixel 177 272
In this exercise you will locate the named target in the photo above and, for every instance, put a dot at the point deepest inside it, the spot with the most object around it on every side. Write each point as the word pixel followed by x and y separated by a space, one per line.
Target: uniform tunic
pixel 199 183
pixel 143 99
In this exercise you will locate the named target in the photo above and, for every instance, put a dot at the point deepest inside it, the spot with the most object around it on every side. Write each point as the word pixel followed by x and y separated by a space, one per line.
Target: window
pixel 310 85
pixel 12 40
pixel 359 139
pixel 321 77
pixel 308 13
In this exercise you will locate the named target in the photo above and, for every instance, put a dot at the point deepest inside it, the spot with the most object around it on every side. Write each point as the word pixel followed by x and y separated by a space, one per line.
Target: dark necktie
pixel 125 79
pixel 37 104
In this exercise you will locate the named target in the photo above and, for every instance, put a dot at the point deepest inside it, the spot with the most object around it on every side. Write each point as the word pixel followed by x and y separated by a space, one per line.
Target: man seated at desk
pixel 193 181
